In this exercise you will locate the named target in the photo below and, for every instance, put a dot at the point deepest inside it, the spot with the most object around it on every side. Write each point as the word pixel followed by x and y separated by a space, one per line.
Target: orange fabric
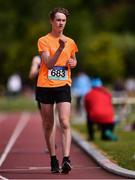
pixel 50 44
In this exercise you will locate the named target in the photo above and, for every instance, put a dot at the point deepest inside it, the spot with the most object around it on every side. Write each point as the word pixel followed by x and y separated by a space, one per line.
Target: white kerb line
pixel 3 178
pixel 19 128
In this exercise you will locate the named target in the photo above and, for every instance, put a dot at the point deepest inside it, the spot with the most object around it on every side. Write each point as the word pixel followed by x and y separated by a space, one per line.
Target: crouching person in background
pixel 100 111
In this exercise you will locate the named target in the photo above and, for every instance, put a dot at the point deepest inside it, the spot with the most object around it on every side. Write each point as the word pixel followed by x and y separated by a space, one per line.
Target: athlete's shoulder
pixel 44 38
pixel 70 39
pixel 72 44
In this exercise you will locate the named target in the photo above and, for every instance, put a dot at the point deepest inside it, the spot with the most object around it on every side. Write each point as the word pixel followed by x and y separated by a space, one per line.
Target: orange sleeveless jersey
pixel 60 74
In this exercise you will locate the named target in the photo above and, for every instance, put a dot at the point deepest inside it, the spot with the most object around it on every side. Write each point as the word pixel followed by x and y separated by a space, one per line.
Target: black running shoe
pixel 55 166
pixel 66 167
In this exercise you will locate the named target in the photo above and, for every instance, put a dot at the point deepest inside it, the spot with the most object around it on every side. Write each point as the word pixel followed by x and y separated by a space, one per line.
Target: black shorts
pixel 53 95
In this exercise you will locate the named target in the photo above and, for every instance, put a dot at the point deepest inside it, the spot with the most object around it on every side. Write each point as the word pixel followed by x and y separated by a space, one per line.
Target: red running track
pixel 23 155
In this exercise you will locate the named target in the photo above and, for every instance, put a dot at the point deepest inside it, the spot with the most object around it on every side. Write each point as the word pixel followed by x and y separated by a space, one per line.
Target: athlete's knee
pixel 47 126
pixel 64 124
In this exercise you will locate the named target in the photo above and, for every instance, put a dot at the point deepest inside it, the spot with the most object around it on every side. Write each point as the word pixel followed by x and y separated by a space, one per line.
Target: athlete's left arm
pixel 34 69
pixel 72 61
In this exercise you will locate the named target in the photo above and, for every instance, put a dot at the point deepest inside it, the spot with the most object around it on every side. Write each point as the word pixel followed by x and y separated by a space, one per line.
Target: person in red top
pixel 58 54
pixel 99 110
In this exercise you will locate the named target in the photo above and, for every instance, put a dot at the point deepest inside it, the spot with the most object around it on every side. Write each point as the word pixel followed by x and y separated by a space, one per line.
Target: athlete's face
pixel 59 22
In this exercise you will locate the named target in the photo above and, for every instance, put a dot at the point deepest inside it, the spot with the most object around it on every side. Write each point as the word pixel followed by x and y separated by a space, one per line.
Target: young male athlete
pixel 53 86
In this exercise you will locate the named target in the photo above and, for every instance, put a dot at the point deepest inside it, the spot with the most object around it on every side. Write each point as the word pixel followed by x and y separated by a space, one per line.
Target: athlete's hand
pixel 62 42
pixel 72 62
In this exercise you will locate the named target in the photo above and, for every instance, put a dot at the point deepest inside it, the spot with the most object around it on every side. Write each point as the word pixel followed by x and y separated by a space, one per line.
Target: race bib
pixel 58 73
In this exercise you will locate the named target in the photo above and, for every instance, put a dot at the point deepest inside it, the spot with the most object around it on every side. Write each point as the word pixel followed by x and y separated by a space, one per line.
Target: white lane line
pixel 54 178
pixel 26 169
pixel 3 178
pixel 19 128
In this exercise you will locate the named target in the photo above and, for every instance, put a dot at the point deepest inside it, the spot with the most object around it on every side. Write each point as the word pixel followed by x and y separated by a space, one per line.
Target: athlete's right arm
pixel 51 61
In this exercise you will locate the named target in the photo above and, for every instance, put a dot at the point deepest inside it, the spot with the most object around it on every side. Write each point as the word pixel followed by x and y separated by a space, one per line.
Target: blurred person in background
pixel 121 92
pixel 33 75
pixel 119 89
pixel 81 85
pixel 14 85
pixel 34 70
pixel 130 86
pixel 100 111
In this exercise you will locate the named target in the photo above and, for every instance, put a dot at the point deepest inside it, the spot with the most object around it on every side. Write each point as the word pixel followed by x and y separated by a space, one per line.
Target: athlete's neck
pixel 56 34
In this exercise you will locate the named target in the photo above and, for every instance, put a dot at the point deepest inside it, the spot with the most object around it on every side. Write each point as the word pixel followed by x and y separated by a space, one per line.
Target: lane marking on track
pixel 26 169
pixel 3 178
pixel 23 169
pixel 18 130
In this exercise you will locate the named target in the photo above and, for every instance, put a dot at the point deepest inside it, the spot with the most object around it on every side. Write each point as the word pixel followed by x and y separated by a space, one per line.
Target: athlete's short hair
pixel 58 9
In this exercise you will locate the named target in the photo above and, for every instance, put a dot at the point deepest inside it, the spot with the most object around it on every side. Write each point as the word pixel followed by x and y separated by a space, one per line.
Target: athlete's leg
pixel 64 118
pixel 49 127
pixel 49 131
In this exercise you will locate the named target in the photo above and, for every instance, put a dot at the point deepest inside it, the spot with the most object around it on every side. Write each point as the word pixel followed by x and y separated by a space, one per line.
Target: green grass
pixel 121 151
pixel 20 103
